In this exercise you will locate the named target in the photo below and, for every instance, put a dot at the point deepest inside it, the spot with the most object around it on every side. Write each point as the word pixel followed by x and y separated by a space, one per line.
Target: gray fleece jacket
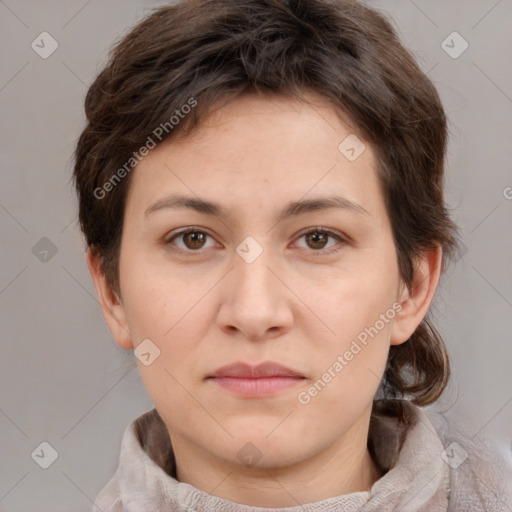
pixel 427 466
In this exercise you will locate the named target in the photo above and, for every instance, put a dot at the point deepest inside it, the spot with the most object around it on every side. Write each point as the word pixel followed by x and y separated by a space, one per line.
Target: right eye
pixel 192 240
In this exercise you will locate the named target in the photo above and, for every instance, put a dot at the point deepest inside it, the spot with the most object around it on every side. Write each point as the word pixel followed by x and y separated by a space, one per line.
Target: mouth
pixel 261 380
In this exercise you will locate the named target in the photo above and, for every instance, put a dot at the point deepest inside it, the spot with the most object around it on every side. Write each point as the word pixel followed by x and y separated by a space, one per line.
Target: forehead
pixel 253 152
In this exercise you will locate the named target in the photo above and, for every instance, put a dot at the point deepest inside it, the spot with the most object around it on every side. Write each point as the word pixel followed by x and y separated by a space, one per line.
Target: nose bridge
pixel 255 302
pixel 253 279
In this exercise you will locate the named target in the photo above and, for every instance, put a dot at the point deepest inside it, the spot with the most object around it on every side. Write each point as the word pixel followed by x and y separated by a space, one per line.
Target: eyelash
pixel 319 252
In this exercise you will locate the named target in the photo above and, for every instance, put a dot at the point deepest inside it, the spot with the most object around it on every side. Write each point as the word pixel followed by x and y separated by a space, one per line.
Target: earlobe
pixel 415 300
pixel 111 305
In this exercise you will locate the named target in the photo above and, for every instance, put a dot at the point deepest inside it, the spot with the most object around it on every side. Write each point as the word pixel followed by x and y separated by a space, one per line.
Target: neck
pixel 342 468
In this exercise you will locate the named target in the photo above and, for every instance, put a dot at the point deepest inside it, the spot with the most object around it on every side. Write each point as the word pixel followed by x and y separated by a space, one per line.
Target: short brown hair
pixel 209 50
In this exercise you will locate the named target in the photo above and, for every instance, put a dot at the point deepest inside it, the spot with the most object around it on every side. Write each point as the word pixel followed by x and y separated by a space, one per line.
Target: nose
pixel 256 303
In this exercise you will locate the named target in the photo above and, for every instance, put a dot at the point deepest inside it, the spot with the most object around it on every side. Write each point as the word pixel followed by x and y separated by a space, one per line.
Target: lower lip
pixel 263 386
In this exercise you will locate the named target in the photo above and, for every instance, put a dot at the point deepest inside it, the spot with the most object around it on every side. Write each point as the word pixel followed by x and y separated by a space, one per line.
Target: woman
pixel 261 191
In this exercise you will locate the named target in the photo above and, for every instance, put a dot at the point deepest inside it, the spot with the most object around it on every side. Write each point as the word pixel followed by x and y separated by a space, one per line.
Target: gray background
pixel 63 379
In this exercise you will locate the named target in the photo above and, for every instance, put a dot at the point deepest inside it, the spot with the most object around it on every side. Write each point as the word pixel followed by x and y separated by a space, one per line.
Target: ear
pixel 111 305
pixel 416 299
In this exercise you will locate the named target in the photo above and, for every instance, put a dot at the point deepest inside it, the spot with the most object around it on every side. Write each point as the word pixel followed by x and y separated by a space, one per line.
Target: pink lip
pixel 253 381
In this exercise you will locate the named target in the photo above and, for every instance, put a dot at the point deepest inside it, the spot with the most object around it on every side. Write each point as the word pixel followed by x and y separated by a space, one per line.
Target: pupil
pixel 195 238
pixel 318 238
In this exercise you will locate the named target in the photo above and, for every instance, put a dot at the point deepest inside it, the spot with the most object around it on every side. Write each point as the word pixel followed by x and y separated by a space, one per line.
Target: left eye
pixel 317 239
pixel 194 239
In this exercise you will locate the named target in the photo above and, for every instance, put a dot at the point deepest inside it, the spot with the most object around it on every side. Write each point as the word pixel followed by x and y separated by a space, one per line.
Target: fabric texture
pixel 425 466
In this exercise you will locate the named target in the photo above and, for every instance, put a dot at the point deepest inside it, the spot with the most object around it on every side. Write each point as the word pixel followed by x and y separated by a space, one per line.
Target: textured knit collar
pixel 401 440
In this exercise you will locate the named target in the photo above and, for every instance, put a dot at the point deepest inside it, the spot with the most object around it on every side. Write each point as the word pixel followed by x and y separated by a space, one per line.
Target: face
pixel 266 274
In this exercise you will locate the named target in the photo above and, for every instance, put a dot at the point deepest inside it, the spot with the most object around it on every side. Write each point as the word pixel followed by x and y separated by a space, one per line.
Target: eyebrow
pixel 292 209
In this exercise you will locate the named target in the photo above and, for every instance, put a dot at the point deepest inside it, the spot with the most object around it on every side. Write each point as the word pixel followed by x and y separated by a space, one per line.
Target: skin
pixel 300 303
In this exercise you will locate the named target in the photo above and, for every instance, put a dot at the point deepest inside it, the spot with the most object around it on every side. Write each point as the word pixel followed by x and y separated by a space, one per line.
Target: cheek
pixel 159 299
pixel 349 365
pixel 352 354
pixel 355 301
pixel 167 309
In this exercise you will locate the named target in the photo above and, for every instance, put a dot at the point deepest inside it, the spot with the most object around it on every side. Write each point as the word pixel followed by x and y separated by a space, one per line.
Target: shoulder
pixel 480 467
pixel 109 499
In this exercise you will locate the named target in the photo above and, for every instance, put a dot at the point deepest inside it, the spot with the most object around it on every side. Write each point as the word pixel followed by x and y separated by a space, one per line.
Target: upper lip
pixel 248 371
